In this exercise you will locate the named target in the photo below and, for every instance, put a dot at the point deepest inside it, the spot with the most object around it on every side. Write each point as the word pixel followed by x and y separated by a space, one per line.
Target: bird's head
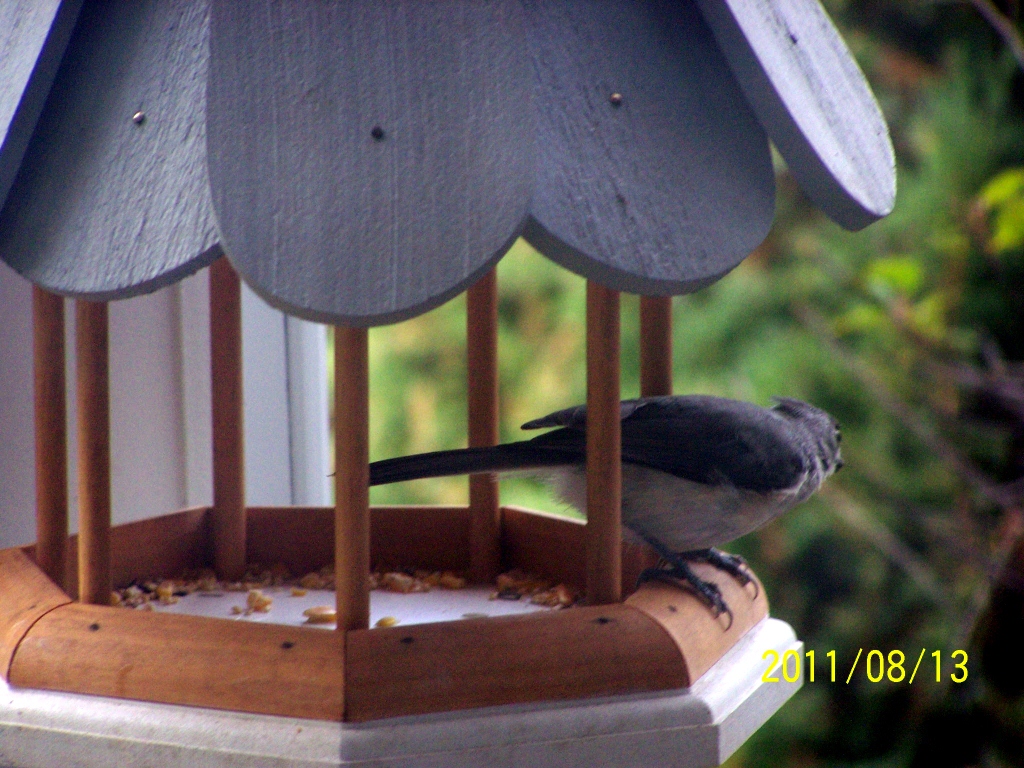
pixel 820 430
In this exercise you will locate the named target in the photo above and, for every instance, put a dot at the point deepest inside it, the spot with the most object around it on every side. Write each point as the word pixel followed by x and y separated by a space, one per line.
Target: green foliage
pixel 1003 198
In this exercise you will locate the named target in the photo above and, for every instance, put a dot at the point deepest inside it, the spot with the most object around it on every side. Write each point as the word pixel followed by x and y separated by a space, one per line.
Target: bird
pixel 698 471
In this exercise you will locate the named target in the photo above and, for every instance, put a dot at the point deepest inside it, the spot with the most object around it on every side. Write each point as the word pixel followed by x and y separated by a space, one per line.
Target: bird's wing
pixel 705 439
pixel 576 418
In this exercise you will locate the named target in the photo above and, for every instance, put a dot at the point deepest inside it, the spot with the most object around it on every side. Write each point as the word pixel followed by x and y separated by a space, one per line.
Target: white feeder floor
pixel 408 608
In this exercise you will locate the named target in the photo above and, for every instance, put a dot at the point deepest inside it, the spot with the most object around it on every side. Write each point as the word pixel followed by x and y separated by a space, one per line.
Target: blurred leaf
pixel 861 318
pixel 891 276
pixel 1004 187
pixel 1003 196
pixel 928 317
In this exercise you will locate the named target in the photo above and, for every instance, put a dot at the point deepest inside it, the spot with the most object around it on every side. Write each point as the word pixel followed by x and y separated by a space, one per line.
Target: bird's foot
pixel 734 565
pixel 673 572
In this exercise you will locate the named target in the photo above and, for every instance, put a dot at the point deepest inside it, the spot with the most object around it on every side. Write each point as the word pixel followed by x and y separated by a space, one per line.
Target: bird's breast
pixel 681 514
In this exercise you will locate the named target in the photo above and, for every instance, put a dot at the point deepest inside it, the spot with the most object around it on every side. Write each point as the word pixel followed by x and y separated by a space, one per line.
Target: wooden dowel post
pixel 655 361
pixel 655 346
pixel 482 386
pixel 351 478
pixel 93 403
pixel 604 467
pixel 228 423
pixel 51 433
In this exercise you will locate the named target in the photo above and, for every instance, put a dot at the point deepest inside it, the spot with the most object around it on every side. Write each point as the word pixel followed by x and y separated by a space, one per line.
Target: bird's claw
pixel 707 591
pixel 734 565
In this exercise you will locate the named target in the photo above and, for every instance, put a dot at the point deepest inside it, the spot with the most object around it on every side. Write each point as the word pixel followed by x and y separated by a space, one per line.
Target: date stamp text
pixel 876 665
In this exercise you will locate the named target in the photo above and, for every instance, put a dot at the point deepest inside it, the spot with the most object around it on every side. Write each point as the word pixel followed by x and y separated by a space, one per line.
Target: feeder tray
pixel 661 638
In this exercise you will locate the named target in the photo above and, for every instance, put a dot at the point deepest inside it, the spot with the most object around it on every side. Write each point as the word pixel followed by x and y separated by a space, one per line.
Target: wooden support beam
pixel 351 478
pixel 482 396
pixel 228 423
pixel 655 346
pixel 51 434
pixel 93 403
pixel 604 462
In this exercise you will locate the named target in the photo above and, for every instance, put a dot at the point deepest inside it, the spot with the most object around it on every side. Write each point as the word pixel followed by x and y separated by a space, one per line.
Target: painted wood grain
pixel 811 96
pixel 426 537
pixel 368 160
pixel 93 413
pixel 555 548
pixel 351 477
pixel 33 36
pixel 662 638
pixel 51 444
pixel 158 547
pixel 111 198
pixel 25 594
pixel 583 652
pixel 228 420
pixel 655 346
pixel 604 447
pixel 482 407
pixel 177 659
pixel 165 546
pixel 702 638
pixel 654 175
pixel 302 538
pixel 434 538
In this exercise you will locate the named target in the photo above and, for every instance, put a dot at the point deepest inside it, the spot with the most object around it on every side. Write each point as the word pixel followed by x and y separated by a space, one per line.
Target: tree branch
pixel 1003 26
pixel 997 493
pixel 887 542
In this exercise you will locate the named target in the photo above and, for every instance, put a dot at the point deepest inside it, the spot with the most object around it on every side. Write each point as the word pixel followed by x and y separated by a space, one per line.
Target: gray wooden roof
pixel 362 162
pixel 33 35
pixel 104 205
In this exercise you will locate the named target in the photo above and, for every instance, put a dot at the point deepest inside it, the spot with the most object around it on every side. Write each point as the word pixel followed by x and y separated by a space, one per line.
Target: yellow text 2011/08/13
pixel 877 666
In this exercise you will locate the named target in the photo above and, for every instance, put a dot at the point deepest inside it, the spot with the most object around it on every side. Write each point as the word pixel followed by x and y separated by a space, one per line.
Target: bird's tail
pixel 467 461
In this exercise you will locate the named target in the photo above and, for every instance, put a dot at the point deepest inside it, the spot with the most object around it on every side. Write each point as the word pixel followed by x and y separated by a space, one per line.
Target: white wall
pixel 160 405
pixel 267 451
pixel 306 348
pixel 147 439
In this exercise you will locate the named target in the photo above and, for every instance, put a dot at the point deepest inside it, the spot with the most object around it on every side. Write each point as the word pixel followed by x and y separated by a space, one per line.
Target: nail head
pixel 615 99
pixel 139 117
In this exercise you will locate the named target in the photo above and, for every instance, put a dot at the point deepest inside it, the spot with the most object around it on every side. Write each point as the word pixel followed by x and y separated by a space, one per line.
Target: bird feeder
pixel 357 164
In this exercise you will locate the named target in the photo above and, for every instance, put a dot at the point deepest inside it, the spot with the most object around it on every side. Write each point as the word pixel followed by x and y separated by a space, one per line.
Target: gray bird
pixel 697 472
